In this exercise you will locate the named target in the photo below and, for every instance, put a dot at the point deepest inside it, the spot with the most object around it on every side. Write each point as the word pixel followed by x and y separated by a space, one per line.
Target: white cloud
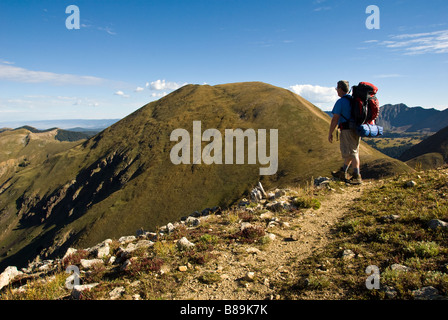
pixel 5 62
pixel 38 104
pixel 419 43
pixel 17 74
pixel 107 29
pixel 391 75
pixel 323 97
pixel 138 89
pixel 160 85
pixel 121 93
pixel 158 95
pixel 322 9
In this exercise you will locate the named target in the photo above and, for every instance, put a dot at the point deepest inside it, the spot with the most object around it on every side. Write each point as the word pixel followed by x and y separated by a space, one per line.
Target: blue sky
pixel 128 53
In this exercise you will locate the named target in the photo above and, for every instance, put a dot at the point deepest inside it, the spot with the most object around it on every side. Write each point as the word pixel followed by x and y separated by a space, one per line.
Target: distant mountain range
pixel 61 135
pixel 401 118
pixel 79 125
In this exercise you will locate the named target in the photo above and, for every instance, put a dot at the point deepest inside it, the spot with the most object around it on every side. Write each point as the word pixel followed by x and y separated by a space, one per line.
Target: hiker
pixel 349 139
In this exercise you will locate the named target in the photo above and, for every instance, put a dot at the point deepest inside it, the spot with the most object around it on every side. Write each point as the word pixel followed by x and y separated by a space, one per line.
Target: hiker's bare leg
pixel 355 162
pixel 348 161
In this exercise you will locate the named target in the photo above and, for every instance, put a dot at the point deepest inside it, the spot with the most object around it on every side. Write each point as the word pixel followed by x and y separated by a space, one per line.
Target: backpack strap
pixel 350 100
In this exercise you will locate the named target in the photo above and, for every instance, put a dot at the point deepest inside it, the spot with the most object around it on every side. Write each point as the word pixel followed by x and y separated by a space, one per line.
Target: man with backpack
pixel 349 138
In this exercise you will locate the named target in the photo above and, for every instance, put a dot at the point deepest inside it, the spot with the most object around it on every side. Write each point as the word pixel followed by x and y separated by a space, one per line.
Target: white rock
pixel 77 290
pixel 391 217
pixel 277 206
pixel 399 267
pixel 87 264
pixel 116 293
pixel 170 227
pixel 8 275
pixel 46 265
pixel 253 250
pixel 125 253
pixel 126 239
pixel 250 276
pixel 102 249
pixel 348 254
pixel 285 224
pixel 144 244
pixel 266 215
pixel 271 236
pixel 183 243
pixel 69 252
pixel 245 225
pixel 192 221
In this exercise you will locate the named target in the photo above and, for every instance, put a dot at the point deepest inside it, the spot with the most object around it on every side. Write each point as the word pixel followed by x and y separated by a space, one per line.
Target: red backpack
pixel 365 105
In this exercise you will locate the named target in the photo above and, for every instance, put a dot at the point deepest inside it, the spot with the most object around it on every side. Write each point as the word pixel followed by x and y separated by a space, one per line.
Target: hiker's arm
pixel 333 125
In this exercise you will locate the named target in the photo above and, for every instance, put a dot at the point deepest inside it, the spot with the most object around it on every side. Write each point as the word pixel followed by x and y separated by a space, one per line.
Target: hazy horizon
pixel 107 59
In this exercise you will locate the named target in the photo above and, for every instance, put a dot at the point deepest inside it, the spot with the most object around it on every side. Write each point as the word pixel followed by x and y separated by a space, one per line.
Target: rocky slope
pixel 254 250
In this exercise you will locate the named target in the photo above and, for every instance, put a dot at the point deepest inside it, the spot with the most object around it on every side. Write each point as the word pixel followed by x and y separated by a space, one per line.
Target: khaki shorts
pixel 349 143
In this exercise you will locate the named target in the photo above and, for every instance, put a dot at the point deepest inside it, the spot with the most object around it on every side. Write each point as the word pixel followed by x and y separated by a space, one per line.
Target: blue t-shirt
pixel 342 107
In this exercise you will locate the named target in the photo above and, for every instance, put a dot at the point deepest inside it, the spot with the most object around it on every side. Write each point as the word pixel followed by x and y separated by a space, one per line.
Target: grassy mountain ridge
pixel 122 179
pixel 27 146
pixel 437 145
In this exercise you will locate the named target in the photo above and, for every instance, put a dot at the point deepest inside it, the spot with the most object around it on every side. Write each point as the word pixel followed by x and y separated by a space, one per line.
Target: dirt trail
pixel 304 233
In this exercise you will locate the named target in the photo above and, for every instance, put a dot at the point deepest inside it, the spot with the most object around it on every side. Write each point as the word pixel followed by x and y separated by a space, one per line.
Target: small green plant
pixel 318 282
pixel 350 226
pixel 307 203
pixel 164 248
pixel 423 249
pixel 232 217
pixel 209 239
pixel 210 277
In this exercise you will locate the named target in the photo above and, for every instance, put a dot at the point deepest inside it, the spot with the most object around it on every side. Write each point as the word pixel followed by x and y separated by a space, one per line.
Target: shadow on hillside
pixel 381 168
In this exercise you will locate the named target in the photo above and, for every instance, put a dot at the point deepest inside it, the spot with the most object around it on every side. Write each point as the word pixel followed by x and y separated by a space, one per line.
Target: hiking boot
pixel 340 175
pixel 356 179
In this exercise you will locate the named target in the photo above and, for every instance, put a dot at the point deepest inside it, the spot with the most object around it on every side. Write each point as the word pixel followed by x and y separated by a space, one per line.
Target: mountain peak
pixel 124 179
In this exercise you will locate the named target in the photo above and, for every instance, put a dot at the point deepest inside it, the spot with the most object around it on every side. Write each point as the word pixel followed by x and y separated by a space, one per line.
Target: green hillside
pixel 28 147
pixel 431 151
pixel 122 179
